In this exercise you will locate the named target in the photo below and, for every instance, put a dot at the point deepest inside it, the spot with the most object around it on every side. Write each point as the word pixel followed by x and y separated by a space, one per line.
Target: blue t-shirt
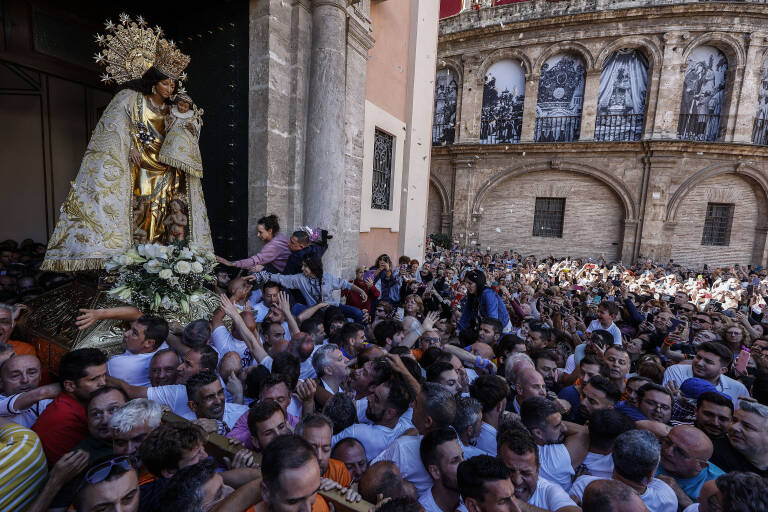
pixel 692 486
pixel 630 411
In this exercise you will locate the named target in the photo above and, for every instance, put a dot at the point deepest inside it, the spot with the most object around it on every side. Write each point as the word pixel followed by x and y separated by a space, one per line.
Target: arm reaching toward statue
pixel 91 316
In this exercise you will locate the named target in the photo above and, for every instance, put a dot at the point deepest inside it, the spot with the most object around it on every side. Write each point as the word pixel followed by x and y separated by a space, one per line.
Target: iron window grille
pixel 548 217
pixel 717 224
pixel 381 194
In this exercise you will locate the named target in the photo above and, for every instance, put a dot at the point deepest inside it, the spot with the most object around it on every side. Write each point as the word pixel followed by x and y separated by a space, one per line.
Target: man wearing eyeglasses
pixel 685 465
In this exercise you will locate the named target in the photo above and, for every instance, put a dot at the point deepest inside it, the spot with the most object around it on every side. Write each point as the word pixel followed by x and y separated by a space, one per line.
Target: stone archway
pixel 438 208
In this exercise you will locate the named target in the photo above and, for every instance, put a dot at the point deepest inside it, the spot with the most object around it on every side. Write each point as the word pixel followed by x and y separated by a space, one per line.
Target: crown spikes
pixel 105 78
pixel 183 76
pixel 109 25
pixel 100 39
pixel 171 43
pixel 99 58
pixel 159 31
pixel 124 18
pixel 140 21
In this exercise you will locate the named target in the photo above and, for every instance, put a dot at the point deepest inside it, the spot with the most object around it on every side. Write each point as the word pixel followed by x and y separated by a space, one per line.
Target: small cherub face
pixel 175 206
pixel 182 106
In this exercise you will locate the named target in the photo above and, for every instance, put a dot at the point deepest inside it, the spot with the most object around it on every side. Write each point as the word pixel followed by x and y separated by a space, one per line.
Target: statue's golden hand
pixel 135 156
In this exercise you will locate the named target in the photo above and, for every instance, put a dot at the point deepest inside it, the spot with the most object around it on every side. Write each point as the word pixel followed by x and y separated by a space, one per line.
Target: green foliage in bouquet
pixel 157 278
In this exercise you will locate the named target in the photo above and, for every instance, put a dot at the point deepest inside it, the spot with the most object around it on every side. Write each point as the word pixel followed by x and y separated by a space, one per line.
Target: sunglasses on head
pixel 101 472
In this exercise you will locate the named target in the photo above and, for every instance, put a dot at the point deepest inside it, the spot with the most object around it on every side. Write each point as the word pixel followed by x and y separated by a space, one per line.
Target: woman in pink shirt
pixel 273 256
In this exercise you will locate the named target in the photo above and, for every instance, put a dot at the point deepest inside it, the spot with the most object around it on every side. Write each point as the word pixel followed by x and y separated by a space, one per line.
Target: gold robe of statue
pixel 114 204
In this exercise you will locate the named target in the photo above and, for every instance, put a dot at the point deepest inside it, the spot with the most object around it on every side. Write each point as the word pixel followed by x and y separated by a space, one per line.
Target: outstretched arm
pixel 254 345
pixel 91 316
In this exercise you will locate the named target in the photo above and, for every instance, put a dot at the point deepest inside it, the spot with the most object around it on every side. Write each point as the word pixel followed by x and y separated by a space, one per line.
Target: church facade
pixel 594 128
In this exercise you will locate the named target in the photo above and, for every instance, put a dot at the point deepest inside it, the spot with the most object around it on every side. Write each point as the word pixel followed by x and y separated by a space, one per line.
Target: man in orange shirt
pixel 8 315
pixel 317 430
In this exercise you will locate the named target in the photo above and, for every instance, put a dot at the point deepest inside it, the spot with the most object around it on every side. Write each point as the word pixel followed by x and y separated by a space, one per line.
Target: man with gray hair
pixel 636 455
pixel 514 364
pixel 435 408
pixel 331 367
pixel 132 423
pixel 745 448
pixel 468 424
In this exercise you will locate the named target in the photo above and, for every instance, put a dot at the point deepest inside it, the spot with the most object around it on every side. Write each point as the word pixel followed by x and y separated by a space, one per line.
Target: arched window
pixel 444 121
pixel 503 95
pixel 621 97
pixel 702 95
pixel 760 131
pixel 561 93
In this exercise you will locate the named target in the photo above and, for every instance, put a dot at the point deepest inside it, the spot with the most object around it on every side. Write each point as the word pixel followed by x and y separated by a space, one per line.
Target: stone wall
pixel 647 197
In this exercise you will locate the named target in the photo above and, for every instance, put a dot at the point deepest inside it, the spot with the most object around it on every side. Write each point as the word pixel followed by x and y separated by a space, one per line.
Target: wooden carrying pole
pixel 220 447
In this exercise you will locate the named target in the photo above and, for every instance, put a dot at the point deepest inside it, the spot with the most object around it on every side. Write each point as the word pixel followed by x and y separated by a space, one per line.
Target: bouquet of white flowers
pixel 156 277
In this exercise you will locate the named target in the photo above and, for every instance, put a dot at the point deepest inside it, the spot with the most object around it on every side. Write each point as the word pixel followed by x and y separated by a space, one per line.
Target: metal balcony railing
pixel 498 131
pixel 557 129
pixel 760 131
pixel 619 127
pixel 698 127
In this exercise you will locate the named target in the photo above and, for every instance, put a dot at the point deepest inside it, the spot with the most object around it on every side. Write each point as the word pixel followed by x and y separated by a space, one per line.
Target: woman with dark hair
pixel 124 189
pixel 315 286
pixel 387 279
pixel 273 256
pixel 481 302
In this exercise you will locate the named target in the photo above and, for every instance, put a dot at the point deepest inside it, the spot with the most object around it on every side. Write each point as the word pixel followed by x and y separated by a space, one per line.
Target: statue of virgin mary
pixel 124 191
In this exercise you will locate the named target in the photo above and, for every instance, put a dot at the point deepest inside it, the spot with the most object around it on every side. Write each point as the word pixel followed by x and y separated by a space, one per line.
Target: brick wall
pixel 686 241
pixel 593 221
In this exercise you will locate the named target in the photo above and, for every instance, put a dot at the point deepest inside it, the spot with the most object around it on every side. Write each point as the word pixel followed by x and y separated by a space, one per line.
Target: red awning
pixel 449 8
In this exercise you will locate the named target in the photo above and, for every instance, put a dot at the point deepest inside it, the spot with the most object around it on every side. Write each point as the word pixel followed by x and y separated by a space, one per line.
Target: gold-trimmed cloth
pixel 95 221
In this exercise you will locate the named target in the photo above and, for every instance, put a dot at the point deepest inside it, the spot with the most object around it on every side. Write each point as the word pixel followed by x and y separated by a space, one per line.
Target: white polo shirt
pixel 26 417
pixel 487 439
pixel 404 452
pixel 550 496
pixel 658 496
pixel 678 373
pixel 132 368
pixel 374 438
pixel 555 465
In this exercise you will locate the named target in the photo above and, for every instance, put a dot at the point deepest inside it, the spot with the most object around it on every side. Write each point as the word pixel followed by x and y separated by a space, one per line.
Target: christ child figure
pixel 176 221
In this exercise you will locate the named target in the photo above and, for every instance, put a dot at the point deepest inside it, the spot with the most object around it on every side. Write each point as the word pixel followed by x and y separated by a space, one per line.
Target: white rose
pixel 196 267
pixel 183 267
pixel 163 251
pixel 124 259
pixel 166 273
pixel 140 250
pixel 153 266
pixel 186 254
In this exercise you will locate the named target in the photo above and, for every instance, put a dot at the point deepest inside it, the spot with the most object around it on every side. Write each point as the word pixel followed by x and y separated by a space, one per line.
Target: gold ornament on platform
pixel 130 48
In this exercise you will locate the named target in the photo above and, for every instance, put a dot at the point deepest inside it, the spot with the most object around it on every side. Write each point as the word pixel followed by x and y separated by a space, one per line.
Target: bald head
pixel 685 451
pixel 695 442
pixel 483 350
pixel 19 374
pixel 529 383
pixel 382 478
pixel 611 496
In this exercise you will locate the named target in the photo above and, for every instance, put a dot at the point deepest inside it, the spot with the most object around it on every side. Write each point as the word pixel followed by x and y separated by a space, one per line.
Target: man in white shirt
pixel 435 408
pixel 521 455
pixel 441 455
pixel 386 407
pixel 468 424
pixel 636 455
pixel 606 314
pixel 529 383
pixel 604 495
pixel 485 486
pixel 269 294
pixel 145 336
pixel 207 401
pixel 562 445
pixel 23 399
pixel 604 427
pixel 331 367
pixel 710 363
pixel 491 391
pixel 175 396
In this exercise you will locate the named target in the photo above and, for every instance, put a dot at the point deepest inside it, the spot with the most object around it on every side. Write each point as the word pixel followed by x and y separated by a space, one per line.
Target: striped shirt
pixel 23 468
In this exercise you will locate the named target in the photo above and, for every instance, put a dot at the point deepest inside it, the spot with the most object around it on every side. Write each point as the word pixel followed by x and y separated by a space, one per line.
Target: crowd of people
pixel 473 381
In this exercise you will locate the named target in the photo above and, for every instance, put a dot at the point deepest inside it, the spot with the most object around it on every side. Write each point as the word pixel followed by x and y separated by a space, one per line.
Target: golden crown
pixel 169 60
pixel 131 48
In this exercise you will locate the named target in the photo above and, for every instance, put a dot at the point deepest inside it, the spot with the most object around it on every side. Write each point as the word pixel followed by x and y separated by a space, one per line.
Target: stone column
pixel 750 89
pixel 589 105
pixel 463 196
pixel 471 100
pixel 529 107
pixel 324 171
pixel 670 86
pixel 656 239
pixel 359 41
